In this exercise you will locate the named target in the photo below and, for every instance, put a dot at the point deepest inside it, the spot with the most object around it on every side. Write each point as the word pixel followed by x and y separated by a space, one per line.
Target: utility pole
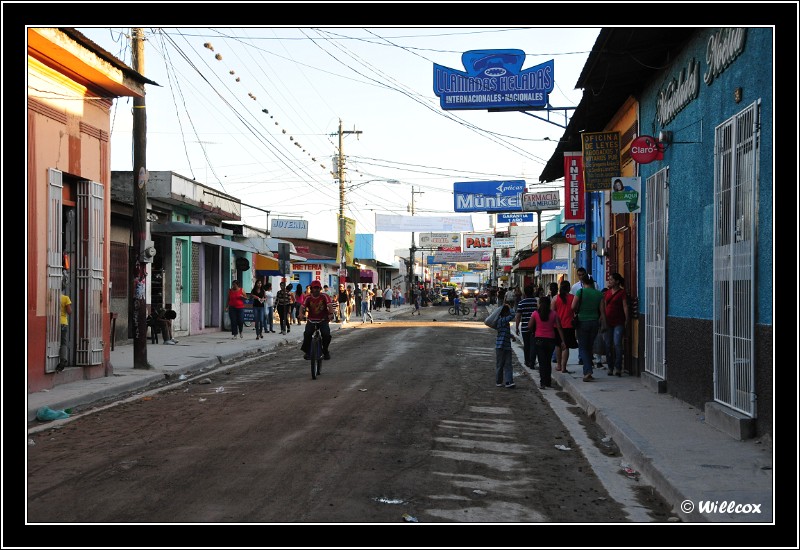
pixel 340 175
pixel 412 251
pixel 139 225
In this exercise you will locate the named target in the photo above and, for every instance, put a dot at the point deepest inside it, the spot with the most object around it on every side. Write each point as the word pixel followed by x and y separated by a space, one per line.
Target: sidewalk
pixel 664 439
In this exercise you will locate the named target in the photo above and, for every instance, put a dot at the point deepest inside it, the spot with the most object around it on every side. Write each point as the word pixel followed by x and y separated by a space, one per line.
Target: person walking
pixel 562 305
pixel 544 326
pixel 590 308
pixel 283 302
pixel 258 294
pixel 269 304
pixel 297 305
pixel 388 294
pixel 527 305
pixel 65 310
pixel 416 295
pixel 366 300
pixel 553 292
pixel 617 316
pixel 235 308
pixel 503 368
pixel 342 299
pixel 583 276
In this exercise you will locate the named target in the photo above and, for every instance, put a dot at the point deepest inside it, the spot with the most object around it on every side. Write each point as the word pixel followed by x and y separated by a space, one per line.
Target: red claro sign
pixel 646 149
pixel 571 236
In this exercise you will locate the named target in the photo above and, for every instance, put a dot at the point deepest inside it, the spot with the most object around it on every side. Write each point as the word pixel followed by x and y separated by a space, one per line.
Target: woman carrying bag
pixel 589 307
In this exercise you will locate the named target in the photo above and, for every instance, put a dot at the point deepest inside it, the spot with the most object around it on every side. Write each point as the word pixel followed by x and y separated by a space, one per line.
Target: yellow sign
pixel 601 160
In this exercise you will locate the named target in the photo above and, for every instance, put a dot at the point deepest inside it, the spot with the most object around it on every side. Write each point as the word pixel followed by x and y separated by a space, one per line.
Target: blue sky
pixel 254 112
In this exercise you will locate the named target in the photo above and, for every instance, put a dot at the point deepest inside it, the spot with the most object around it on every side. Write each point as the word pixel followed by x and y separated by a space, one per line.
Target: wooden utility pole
pixel 340 175
pixel 138 308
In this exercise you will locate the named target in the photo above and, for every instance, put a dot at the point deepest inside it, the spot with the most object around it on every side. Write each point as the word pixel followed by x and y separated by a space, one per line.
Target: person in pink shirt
pixel 544 325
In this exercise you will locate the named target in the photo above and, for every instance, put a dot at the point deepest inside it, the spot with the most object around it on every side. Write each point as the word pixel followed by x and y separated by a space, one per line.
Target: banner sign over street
pixel 440 240
pixel 494 79
pixel 422 224
pixel 488 196
pixel 455 257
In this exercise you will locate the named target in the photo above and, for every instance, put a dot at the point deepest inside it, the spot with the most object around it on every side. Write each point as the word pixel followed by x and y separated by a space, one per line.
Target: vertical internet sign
pixel 574 192
pixel 600 159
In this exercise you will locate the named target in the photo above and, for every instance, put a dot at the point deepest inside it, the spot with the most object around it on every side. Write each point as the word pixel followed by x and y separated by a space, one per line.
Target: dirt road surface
pixel 404 425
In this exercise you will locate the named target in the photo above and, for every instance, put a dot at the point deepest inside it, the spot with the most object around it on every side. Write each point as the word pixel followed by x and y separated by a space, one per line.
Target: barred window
pixel 119 270
pixel 195 273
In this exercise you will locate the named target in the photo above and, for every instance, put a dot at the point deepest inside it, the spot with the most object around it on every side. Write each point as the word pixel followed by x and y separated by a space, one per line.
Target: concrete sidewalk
pixel 690 463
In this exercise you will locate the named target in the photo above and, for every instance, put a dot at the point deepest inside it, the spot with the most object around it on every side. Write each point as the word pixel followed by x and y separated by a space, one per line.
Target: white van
pixel 469 289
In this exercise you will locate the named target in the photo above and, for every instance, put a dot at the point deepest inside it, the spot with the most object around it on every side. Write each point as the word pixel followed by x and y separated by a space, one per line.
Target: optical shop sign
pixel 600 160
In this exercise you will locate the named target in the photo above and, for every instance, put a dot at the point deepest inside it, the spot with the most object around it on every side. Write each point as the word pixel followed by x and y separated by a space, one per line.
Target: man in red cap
pixel 317 307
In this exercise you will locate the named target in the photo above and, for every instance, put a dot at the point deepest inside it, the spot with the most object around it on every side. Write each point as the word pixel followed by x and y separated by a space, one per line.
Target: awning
pixel 266 263
pixel 219 241
pixel 183 229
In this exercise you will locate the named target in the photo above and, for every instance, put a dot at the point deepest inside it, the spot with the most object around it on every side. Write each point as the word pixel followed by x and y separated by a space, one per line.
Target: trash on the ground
pixel 205 381
pixel 410 519
pixel 147 398
pixel 606 439
pixel 182 377
pixel 31 442
pixel 629 471
pixel 202 399
pixel 46 413
pixel 220 389
pixel 385 500
pixel 363 389
pixel 478 492
pixel 563 448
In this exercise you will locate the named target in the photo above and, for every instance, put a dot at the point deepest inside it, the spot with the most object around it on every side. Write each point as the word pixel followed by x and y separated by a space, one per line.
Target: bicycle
pixel 315 350
pixel 463 307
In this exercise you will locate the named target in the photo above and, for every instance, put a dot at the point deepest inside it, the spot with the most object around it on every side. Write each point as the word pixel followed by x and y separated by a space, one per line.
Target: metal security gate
pixel 655 271
pixel 55 269
pixel 89 271
pixel 736 147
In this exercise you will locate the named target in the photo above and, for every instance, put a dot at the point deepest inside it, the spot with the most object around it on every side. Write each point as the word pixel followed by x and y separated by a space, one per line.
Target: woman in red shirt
pixel 616 321
pixel 562 305
pixel 235 308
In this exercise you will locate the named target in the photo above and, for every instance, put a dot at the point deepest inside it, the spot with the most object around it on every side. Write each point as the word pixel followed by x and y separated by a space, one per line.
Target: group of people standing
pixel 567 317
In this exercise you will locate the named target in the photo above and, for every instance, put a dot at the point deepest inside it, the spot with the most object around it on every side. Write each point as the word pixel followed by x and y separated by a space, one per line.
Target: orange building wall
pixel 71 135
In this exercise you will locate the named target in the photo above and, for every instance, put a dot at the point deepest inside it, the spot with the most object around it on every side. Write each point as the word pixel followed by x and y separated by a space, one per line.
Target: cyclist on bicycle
pixel 317 308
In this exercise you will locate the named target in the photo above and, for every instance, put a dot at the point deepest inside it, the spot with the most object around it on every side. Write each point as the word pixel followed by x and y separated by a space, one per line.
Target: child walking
pixel 503 370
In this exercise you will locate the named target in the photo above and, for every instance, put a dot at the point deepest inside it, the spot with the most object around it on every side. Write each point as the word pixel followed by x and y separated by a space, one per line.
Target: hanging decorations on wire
pixel 252 96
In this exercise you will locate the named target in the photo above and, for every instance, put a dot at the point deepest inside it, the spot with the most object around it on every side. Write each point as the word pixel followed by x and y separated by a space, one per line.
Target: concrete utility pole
pixel 340 175
pixel 412 251
pixel 138 310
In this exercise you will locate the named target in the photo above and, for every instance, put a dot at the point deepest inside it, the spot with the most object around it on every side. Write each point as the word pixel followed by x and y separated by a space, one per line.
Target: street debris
pixel 363 389
pixel 385 500
pixel 629 472
pixel 46 413
pixel 479 492
pixel 220 389
pixel 563 448
pixel 410 519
